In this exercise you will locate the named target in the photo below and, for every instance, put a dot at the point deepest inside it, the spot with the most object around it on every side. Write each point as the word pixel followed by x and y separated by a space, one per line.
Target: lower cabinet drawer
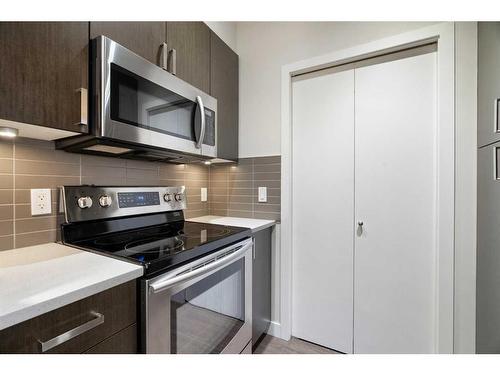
pixel 123 342
pixel 77 327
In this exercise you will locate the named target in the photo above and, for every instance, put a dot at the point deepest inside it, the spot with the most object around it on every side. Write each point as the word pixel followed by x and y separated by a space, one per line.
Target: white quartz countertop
pixel 254 224
pixel 37 279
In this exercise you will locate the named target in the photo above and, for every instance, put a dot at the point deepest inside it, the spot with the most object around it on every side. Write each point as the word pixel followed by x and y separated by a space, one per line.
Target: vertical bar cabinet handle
pixel 496 114
pixel 84 97
pixel 173 62
pixel 164 56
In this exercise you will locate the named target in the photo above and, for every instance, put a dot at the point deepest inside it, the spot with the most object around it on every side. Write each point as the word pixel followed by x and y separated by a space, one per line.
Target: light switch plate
pixel 262 193
pixel 204 194
pixel 41 202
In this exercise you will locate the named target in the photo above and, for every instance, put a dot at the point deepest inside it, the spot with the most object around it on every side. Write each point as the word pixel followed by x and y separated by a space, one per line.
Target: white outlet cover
pixel 41 202
pixel 204 194
pixel 262 193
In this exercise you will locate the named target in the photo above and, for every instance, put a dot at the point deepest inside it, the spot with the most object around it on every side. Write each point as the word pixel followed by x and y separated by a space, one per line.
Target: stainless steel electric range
pixel 195 295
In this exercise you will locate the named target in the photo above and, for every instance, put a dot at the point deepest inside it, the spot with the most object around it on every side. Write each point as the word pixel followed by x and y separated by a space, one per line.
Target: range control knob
pixel 105 201
pixel 167 197
pixel 178 197
pixel 84 202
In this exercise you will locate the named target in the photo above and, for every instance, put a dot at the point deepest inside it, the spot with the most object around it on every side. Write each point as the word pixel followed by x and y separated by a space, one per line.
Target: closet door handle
pixel 360 228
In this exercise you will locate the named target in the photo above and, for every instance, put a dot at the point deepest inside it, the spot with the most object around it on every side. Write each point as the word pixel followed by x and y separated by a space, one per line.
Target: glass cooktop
pixel 163 246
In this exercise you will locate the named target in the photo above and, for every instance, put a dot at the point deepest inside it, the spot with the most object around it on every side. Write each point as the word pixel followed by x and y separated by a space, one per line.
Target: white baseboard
pixel 275 330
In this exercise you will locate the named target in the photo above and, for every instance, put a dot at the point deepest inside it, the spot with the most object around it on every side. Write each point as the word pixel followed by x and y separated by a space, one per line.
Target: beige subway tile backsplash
pixel 26 164
pixel 6 196
pixel 234 188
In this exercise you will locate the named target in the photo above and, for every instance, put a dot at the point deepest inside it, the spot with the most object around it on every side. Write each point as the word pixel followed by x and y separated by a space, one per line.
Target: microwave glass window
pixel 142 103
pixel 203 322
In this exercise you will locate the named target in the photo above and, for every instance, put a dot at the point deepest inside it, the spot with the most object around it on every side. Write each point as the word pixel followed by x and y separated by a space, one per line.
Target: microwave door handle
pixel 162 284
pixel 201 108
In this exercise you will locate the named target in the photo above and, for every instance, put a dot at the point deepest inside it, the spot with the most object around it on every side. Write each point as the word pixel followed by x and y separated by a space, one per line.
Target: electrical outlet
pixel 41 202
pixel 262 193
pixel 204 194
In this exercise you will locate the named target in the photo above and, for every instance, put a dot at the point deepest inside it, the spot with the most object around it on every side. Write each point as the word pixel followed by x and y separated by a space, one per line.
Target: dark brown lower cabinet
pixel 111 314
pixel 123 342
pixel 261 284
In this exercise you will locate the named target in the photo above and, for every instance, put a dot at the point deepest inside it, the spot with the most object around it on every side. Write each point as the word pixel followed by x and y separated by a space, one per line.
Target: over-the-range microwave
pixel 140 111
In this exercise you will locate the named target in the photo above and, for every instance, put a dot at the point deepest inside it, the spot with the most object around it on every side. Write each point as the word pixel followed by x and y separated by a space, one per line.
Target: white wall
pixel 264 47
pixel 226 31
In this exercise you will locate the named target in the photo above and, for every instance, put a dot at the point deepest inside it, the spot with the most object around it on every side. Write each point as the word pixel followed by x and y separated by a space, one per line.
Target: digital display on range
pixel 148 198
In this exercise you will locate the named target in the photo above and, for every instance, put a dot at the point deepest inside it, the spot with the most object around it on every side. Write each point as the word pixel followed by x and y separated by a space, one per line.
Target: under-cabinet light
pixel 8 132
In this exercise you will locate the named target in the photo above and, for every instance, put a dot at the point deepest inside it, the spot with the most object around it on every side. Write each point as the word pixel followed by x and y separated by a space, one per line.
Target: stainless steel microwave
pixel 141 111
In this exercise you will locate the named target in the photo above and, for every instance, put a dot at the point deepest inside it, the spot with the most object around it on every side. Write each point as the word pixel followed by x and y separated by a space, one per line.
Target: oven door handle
pixel 211 264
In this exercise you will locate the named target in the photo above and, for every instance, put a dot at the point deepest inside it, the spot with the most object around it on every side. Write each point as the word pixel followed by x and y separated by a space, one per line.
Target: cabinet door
pixel 43 64
pixel 488 83
pixel 488 254
pixel 143 38
pixel 191 41
pixel 224 87
pixel 261 284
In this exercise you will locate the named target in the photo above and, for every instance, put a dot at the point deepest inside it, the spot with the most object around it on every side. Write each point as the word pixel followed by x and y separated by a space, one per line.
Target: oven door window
pixel 142 103
pixel 207 315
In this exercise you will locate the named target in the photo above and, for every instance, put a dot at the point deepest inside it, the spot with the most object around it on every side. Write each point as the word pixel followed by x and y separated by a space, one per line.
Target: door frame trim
pixel 444 35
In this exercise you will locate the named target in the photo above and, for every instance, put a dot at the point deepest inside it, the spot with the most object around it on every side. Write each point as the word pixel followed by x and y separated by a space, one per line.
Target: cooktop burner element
pixel 214 232
pixel 161 246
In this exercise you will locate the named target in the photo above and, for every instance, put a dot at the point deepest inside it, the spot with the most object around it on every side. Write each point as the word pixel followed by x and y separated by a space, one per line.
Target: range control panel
pixel 139 199
pixel 87 202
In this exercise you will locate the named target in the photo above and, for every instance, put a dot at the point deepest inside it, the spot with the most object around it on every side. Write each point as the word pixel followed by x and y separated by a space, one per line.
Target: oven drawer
pixel 77 327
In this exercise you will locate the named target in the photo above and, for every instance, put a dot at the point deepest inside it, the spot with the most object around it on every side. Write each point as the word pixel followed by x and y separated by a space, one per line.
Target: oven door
pixel 203 307
pixel 138 102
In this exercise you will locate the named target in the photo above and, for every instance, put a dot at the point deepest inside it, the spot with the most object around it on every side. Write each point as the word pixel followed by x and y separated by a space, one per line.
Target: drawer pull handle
pixel 62 338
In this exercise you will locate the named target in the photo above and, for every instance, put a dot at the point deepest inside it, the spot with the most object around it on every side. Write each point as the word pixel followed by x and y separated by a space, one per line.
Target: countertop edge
pixel 209 219
pixel 41 308
pixel 262 227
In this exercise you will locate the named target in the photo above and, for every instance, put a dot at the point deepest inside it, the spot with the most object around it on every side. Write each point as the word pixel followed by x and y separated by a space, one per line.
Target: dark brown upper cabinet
pixel 43 66
pixel 191 59
pixel 143 38
pixel 224 87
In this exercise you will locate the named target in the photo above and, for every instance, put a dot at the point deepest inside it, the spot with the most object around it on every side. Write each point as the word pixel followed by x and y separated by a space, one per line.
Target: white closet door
pixel 323 209
pixel 394 288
